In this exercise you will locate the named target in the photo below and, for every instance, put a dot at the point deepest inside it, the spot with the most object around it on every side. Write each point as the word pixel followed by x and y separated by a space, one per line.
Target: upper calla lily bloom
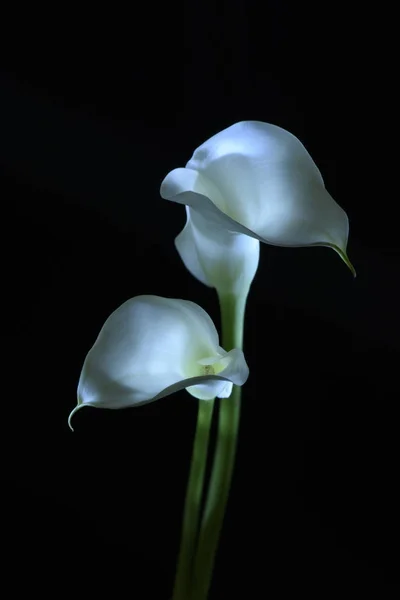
pixel 151 347
pixel 255 179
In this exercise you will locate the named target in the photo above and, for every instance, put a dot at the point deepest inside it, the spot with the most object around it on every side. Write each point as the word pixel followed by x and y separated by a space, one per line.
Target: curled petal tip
pixel 72 414
pixel 70 417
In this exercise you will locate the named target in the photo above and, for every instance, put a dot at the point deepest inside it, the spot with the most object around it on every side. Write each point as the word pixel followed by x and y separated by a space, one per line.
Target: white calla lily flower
pixel 151 347
pixel 251 182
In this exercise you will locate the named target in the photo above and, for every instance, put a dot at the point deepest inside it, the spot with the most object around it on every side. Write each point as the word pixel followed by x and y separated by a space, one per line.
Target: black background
pixel 96 107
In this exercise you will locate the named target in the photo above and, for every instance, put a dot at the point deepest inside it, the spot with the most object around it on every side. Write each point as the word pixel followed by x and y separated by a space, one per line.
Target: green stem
pixel 232 312
pixel 193 500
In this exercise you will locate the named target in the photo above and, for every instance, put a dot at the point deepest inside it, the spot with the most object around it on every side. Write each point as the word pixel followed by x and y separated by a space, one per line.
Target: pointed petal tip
pixel 345 259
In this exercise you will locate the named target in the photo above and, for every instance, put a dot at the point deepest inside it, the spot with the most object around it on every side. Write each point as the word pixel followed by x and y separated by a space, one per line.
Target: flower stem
pixel 232 312
pixel 193 501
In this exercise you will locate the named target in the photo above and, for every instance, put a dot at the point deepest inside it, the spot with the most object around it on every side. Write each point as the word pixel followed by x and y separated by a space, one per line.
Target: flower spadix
pixel 251 182
pixel 151 347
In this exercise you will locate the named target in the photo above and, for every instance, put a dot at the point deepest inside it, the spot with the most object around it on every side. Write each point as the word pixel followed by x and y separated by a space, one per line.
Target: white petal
pixel 211 245
pixel 151 347
pixel 216 256
pixel 258 179
pixel 230 368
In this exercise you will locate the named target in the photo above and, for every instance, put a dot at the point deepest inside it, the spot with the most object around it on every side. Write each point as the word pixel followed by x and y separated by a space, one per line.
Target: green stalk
pixel 193 500
pixel 232 313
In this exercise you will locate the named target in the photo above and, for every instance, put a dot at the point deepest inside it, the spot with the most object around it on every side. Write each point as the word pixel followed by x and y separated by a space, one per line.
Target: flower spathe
pixel 257 180
pixel 151 347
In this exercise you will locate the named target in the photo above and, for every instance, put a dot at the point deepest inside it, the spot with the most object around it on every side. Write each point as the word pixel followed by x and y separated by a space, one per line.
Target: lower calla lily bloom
pixel 251 182
pixel 151 347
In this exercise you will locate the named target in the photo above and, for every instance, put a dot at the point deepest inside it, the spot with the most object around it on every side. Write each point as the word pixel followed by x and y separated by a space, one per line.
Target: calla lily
pixel 251 182
pixel 151 347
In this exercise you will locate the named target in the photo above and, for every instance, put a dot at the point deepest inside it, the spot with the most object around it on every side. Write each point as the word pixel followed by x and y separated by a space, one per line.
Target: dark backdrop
pixel 96 106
